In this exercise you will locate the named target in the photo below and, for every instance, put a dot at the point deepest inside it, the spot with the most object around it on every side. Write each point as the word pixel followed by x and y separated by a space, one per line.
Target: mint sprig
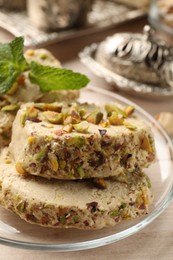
pixel 13 63
pixel 51 78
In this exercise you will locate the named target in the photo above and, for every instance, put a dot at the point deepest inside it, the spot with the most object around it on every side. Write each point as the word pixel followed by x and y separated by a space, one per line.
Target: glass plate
pixel 132 87
pixel 17 233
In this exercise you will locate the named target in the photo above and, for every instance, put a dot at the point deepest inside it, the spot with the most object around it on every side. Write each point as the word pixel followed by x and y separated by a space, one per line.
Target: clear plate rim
pixel 95 243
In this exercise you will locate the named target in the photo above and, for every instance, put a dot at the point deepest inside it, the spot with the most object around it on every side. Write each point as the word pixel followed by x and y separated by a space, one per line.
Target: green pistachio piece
pixel 32 112
pixel 43 56
pixel 94 117
pixel 68 128
pixel 116 119
pixel 114 213
pixel 76 219
pixel 10 108
pixel 81 172
pixel 145 144
pixel 114 108
pixel 54 164
pixel 62 219
pixel 53 117
pixel 73 112
pixel 71 120
pixel 41 155
pixel 21 207
pixel 129 110
pixel 23 118
pixel 49 106
pixel 78 141
pixel 82 112
pixel 82 127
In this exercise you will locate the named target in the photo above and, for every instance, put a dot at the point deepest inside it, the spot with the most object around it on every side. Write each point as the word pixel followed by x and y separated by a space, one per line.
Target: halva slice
pixel 80 140
pixel 74 204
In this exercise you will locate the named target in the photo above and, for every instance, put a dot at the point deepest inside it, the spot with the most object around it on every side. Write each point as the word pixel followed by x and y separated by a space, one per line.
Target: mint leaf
pixel 12 63
pixel 8 81
pixel 17 46
pixel 51 78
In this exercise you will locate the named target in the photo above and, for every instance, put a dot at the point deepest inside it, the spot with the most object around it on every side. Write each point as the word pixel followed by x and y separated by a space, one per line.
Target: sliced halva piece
pixel 74 204
pixel 79 141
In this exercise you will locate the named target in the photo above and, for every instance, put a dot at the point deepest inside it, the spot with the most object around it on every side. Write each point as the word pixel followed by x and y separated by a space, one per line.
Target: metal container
pixel 52 15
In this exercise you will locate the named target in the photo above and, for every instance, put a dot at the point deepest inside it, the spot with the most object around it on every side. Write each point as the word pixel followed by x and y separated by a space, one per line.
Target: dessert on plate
pixel 69 164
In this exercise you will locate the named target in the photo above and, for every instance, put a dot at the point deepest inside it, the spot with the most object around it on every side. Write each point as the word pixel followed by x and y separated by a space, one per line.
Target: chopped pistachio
pixel 68 120
pixel 129 126
pixel 53 117
pixel 31 139
pixel 54 163
pixel 41 155
pixel 82 112
pixel 81 172
pixel 129 110
pixel 115 119
pixel 75 115
pixel 114 213
pixel 32 112
pixel 76 219
pixel 104 123
pixel 21 206
pixel 94 117
pixel 114 108
pixel 78 141
pixel 62 219
pixel 20 169
pixel 23 118
pixel 30 52
pixel 43 56
pixel 123 205
pixel 10 108
pixel 48 106
pixel 68 128
pixel 8 161
pixel 145 144
pixel 82 127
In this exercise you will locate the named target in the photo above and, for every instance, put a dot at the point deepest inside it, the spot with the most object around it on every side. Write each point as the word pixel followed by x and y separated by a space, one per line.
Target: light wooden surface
pixel 153 242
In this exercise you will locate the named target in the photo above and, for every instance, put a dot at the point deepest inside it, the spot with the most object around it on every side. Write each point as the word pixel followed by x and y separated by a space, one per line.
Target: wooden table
pixel 153 242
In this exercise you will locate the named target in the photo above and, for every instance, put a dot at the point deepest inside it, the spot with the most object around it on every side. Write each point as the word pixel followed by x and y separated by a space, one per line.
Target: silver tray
pixel 87 57
pixel 104 14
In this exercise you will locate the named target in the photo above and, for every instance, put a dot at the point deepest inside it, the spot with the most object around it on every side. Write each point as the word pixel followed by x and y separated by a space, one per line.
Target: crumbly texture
pixel 74 204
pixel 77 143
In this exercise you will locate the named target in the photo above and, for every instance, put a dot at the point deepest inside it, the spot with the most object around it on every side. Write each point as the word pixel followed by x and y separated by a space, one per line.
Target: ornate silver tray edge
pixel 11 22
